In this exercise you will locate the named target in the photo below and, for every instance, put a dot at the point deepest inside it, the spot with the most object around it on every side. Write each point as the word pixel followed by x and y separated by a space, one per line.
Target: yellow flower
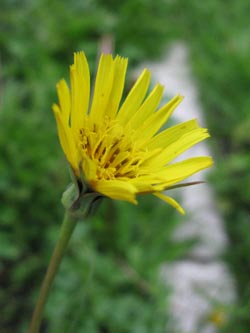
pixel 117 146
pixel 218 317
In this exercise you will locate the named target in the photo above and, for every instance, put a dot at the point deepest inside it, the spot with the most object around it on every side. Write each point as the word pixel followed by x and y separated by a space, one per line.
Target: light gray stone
pixel 199 289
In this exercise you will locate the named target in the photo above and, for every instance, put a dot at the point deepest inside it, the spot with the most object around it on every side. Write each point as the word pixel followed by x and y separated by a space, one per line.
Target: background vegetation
pixel 106 283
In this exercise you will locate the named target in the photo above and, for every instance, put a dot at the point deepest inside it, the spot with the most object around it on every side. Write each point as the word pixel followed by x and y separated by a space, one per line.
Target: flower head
pixel 116 146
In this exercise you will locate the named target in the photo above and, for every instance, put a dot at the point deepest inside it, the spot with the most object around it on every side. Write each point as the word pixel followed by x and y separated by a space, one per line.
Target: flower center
pixel 113 152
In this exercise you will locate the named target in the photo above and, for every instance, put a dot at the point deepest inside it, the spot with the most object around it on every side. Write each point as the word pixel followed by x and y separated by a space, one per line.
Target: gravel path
pixel 201 284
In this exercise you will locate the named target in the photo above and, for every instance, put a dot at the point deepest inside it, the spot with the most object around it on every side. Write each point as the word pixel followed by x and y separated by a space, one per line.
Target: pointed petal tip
pixel 134 201
pixel 178 99
pixel 121 58
pixel 80 53
pixel 181 211
pixel 170 201
pixel 55 108
pixel 160 87
pixel 61 84
pixel 106 57
pixel 210 161
pixel 144 73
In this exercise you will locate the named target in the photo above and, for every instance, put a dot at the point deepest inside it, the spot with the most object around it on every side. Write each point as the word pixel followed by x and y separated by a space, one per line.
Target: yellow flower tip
pixel 181 211
pixel 72 68
pixel 118 146
pixel 209 161
pixel 55 108
pixel 60 84
pixel 179 98
pixel 118 58
pixel 146 73
pixel 170 201
pixel 79 54
pixel 218 317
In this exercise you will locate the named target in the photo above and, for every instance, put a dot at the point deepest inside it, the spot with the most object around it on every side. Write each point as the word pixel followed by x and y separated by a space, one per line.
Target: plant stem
pixel 66 231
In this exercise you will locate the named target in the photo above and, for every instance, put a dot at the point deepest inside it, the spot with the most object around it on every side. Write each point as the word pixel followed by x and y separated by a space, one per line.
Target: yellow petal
pixel 103 87
pixel 80 91
pixel 65 137
pixel 176 172
pixel 146 183
pixel 170 201
pixel 116 189
pixel 149 106
pixel 89 168
pixel 157 119
pixel 143 185
pixel 172 134
pixel 134 98
pixel 64 100
pixel 120 68
pixel 185 142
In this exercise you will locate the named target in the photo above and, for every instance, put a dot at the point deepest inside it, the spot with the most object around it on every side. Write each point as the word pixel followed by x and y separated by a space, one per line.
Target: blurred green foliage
pixel 112 271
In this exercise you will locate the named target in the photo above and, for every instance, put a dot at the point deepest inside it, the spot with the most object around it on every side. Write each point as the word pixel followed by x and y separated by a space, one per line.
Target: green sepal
pixel 184 185
pixel 74 180
pixel 70 195
pixel 80 204
pixel 86 204
pixel 79 199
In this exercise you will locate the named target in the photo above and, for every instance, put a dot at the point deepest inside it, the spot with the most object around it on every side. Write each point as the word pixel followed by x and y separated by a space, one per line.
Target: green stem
pixel 67 229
